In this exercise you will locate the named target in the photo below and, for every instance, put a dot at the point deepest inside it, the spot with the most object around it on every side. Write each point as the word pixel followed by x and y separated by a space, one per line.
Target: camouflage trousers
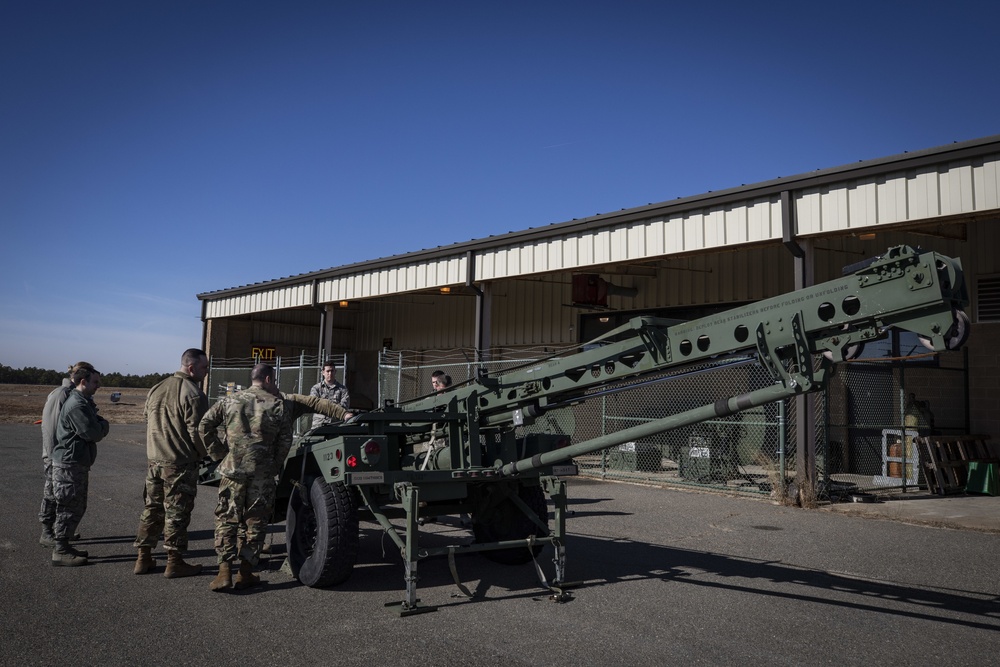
pixel 69 488
pixel 169 496
pixel 47 513
pixel 244 509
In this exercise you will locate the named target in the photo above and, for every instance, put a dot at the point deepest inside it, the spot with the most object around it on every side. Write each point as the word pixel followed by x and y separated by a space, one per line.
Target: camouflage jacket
pixel 258 433
pixel 258 430
pixel 336 392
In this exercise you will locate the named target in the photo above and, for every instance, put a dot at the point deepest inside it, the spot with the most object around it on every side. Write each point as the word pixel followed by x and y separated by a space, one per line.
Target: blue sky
pixel 150 151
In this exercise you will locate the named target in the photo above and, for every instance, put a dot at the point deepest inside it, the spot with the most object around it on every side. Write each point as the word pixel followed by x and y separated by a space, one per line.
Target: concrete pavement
pixel 961 512
pixel 666 577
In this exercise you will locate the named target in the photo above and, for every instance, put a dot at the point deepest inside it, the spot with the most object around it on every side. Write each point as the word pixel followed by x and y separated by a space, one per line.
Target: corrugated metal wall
pixel 416 322
pixel 410 277
pixel 294 296
pixel 755 221
pixel 941 190
pixel 538 311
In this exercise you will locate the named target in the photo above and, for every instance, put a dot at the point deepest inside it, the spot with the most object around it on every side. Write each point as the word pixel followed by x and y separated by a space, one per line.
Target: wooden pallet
pixel 947 459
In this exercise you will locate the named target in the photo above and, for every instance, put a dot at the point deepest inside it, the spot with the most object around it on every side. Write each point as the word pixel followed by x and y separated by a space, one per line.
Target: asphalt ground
pixel 668 578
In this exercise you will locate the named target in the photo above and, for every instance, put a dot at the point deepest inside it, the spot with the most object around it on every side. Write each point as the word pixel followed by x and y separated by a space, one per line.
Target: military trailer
pixel 461 452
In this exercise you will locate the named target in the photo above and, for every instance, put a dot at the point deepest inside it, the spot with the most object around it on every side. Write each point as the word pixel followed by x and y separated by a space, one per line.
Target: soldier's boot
pixel 145 561
pixel 224 579
pixel 76 552
pixel 48 538
pixel 245 578
pixel 63 555
pixel 176 567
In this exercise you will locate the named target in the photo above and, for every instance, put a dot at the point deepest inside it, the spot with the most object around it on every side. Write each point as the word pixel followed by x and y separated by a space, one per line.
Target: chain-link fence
pixel 404 375
pixel 294 375
pixel 747 452
pixel 874 410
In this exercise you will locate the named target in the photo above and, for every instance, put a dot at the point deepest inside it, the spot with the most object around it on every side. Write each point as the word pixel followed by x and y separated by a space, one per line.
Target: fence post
pixel 399 376
pixel 302 368
pixel 782 441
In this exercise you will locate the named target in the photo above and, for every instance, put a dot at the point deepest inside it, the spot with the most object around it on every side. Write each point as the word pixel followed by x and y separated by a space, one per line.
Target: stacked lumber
pixel 947 459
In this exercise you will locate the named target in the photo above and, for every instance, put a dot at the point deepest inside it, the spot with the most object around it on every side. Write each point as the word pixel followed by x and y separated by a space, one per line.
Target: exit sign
pixel 262 353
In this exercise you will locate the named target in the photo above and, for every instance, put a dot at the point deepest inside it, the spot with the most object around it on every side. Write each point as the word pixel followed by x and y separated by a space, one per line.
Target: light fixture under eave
pixel 343 304
pixel 867 236
pixel 603 320
pixel 445 290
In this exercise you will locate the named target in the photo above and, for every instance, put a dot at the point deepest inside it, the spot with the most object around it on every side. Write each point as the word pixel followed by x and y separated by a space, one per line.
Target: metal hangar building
pixel 564 284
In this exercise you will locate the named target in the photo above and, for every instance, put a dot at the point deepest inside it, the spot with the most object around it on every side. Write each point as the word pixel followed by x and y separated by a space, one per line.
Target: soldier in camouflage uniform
pixel 258 435
pixel 330 390
pixel 174 448
pixel 78 430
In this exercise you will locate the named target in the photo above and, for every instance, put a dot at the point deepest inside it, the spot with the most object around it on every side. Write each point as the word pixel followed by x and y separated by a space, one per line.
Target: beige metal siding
pixel 953 188
pixel 757 220
pixel 539 312
pixel 294 296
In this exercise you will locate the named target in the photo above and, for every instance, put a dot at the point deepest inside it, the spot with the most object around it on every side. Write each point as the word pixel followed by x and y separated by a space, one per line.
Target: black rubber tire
pixel 508 522
pixel 322 538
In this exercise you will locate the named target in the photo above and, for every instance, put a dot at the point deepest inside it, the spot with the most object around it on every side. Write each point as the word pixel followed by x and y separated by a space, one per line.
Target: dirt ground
pixel 22 404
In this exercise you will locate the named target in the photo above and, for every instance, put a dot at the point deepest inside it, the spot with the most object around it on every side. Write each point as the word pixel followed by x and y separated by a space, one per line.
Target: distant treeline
pixel 32 375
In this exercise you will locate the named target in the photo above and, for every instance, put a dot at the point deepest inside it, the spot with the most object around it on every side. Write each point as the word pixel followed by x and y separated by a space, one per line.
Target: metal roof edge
pixel 861 169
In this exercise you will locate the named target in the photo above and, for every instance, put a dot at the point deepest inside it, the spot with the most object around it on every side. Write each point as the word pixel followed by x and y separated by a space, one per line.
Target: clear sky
pixel 153 150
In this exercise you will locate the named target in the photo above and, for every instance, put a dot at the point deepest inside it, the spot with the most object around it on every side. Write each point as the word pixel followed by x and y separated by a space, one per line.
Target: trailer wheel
pixel 506 521
pixel 322 538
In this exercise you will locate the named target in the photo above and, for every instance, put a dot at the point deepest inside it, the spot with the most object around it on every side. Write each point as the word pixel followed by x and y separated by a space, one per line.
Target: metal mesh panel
pixel 875 409
pixel 745 452
pixel 404 375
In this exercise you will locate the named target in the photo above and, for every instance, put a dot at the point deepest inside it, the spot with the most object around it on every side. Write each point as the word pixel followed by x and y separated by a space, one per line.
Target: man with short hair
pixel 174 448
pixel 440 381
pixel 78 431
pixel 258 434
pixel 330 390
pixel 50 415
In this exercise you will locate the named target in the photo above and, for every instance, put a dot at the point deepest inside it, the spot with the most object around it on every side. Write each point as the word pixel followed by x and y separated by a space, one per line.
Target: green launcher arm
pixel 919 292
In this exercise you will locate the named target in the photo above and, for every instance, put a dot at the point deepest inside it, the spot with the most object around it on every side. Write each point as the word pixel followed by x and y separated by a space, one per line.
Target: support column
pixel 803 253
pixel 326 332
pixel 484 318
pixel 484 309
